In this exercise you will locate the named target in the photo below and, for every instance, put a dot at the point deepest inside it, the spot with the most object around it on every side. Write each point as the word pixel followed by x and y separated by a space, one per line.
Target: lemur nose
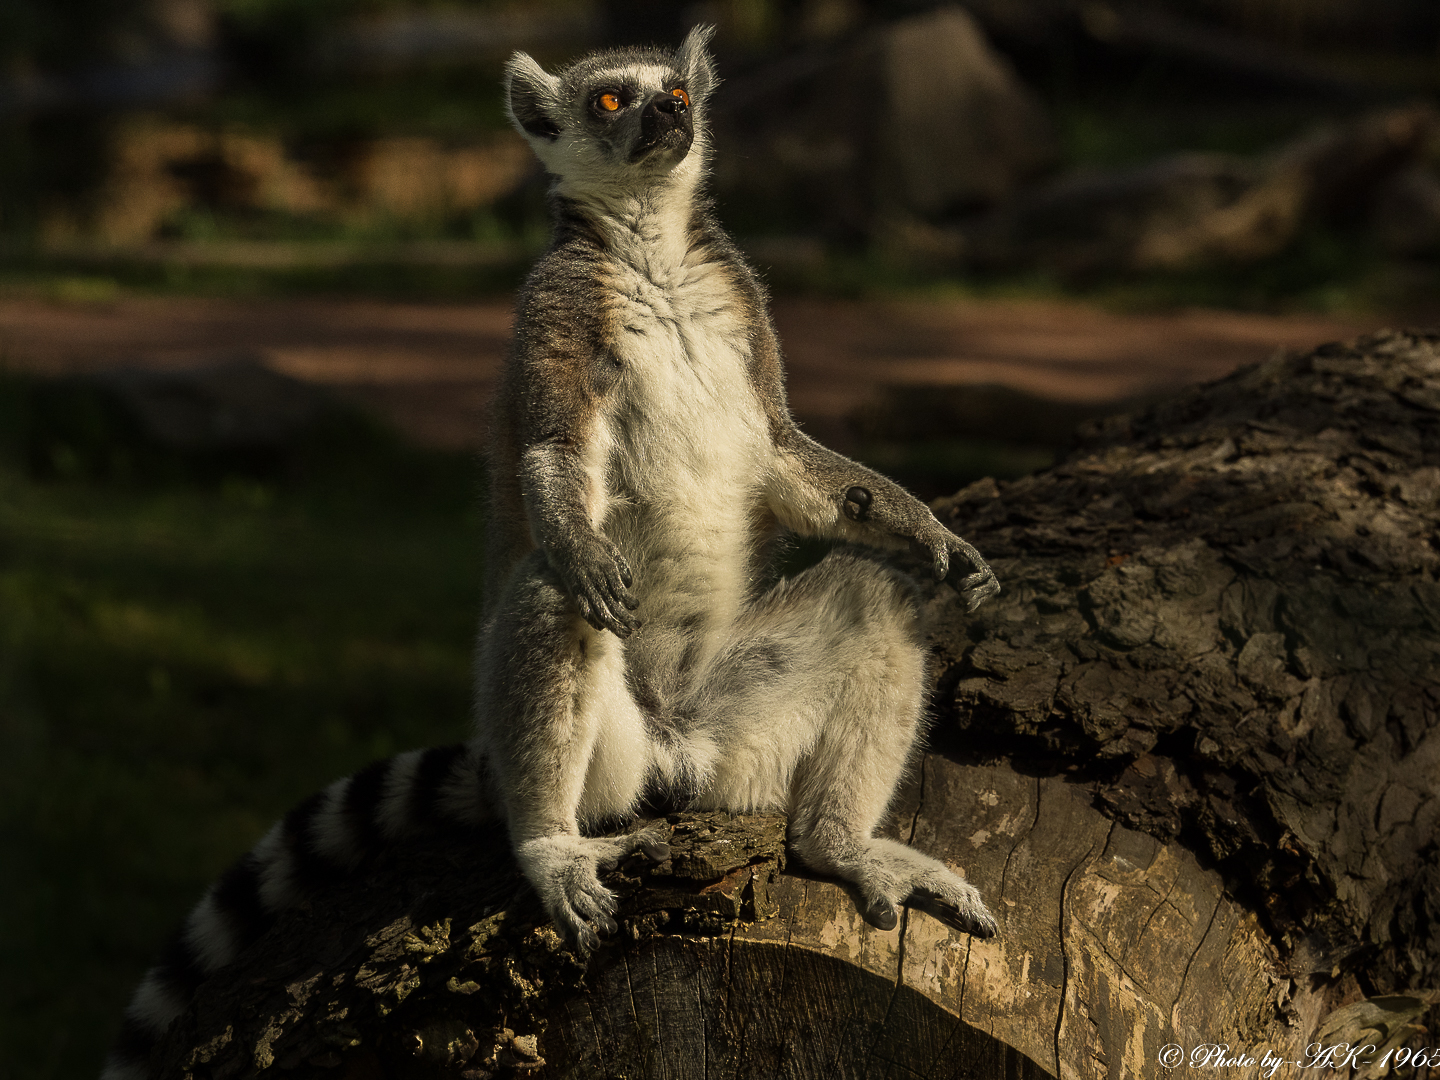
pixel 668 103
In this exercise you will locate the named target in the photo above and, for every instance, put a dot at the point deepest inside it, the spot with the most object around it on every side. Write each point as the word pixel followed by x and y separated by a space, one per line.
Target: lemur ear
pixel 532 97
pixel 694 59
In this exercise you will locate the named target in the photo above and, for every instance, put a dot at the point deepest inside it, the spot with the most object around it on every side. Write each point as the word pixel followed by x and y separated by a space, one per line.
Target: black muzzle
pixel 665 124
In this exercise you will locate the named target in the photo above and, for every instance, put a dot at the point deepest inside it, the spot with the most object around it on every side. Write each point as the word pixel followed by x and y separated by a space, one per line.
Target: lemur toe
pixel 881 914
pixel 583 939
pixel 653 841
pixel 973 920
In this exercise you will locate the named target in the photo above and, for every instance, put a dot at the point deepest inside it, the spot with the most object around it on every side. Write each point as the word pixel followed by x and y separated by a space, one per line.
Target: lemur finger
pixel 971 555
pixel 605 612
pixel 625 619
pixel 601 619
pixel 652 842
pixel 959 919
pixel 983 580
pixel 619 580
pixel 586 611
pixel 598 906
pixel 977 589
pixel 609 621
pixel 972 604
pixel 934 548
pixel 598 615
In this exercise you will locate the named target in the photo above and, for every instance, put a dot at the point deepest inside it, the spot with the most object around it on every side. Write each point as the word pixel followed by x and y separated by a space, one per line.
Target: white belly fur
pixel 686 449
pixel 675 477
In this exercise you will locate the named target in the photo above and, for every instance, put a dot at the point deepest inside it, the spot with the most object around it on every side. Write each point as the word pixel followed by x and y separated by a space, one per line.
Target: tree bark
pixel 1189 756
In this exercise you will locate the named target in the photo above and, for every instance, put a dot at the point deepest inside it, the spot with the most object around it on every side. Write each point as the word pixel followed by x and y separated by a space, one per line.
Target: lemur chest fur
pixel 685 436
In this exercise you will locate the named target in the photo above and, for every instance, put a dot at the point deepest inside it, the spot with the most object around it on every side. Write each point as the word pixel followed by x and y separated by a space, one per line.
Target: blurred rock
pixel 960 128
pixel 238 403
pixel 1407 213
pixel 1203 208
pixel 232 417
pixel 407 36
pixel 1169 213
pixel 993 413
pixel 1343 166
pixel 162 170
pixel 920 117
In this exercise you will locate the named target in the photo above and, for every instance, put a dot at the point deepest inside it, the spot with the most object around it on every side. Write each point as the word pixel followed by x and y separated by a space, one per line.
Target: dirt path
pixel 429 368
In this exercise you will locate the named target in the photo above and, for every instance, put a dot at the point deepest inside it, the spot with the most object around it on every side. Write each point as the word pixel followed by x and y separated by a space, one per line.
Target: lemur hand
pixel 599 578
pixel 942 545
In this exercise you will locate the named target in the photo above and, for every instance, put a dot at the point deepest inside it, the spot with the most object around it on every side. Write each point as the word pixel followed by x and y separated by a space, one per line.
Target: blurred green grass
pixel 184 654
pixel 1326 270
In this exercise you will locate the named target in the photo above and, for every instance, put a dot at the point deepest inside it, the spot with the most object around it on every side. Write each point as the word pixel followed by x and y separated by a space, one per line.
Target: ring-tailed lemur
pixel 642 458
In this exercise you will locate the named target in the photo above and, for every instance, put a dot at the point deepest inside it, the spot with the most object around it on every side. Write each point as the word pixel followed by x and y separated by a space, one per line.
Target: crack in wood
pixel 1066 918
pixel 630 987
pixel 1098 939
pixel 919 801
pixel 1189 963
pixel 1159 904
pixel 655 1003
pixel 1019 839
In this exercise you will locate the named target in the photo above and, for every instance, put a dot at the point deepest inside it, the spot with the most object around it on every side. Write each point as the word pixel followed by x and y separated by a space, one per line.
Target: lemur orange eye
pixel 680 93
pixel 609 102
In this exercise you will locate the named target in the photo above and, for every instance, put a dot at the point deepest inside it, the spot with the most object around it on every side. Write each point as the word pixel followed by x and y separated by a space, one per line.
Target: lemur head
pixel 622 117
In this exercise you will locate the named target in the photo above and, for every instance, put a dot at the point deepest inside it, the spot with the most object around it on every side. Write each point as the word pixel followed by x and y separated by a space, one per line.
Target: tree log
pixel 1189 757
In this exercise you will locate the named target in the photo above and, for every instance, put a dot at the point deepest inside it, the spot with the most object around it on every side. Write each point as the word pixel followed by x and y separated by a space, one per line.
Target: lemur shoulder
pixel 643 458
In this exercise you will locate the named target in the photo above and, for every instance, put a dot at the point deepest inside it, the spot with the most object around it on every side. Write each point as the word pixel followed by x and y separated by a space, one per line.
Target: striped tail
pixel 326 838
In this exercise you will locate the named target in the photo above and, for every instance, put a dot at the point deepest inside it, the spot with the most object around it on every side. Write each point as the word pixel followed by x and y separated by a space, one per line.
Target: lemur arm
pixel 560 493
pixel 813 491
pixel 552 391
pixel 817 492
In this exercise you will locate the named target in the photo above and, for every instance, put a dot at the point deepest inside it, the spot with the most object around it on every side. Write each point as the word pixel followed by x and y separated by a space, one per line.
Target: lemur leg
pixel 817 704
pixel 566 745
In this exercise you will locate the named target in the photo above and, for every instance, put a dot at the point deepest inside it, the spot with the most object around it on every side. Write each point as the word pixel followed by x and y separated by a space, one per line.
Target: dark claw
pixel 857 503
pixel 606 925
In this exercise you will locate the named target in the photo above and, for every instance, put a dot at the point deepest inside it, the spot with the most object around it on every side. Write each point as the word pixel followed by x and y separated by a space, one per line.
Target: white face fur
pixel 619 121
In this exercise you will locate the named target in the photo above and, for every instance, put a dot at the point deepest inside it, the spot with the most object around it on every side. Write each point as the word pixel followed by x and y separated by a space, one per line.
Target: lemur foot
pixel 565 871
pixel 889 874
pixel 969 916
